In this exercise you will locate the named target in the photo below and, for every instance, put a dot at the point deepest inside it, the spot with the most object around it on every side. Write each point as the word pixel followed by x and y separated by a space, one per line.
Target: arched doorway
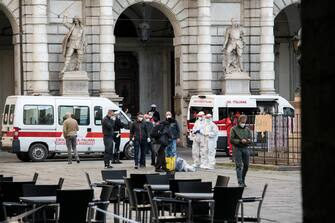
pixel 7 86
pixel 144 59
pixel 286 26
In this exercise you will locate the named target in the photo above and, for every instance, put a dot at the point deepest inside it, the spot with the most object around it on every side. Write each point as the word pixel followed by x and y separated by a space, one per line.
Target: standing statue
pixel 74 43
pixel 233 48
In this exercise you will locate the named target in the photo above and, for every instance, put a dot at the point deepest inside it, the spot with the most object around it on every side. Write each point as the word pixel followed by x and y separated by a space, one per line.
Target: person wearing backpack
pixel 173 138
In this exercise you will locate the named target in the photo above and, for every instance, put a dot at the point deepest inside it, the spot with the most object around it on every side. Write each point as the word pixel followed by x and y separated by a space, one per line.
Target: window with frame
pixel 5 115
pixel 80 113
pixel 38 115
pixel 97 115
pixel 124 120
pixel 11 114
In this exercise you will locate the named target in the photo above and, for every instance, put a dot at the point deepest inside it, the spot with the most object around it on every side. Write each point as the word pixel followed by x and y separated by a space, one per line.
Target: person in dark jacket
pixel 240 138
pixel 154 113
pixel 150 146
pixel 117 137
pixel 171 149
pixel 108 132
pixel 161 135
pixel 139 138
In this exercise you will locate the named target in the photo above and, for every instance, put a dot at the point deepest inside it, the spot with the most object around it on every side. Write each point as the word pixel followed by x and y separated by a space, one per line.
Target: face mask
pixel 147 120
pixel 242 125
pixel 113 117
pixel 201 118
pixel 140 119
pixel 168 117
pixel 208 120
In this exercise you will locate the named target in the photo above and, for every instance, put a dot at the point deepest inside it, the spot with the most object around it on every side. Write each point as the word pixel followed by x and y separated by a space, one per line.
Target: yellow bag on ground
pixel 170 163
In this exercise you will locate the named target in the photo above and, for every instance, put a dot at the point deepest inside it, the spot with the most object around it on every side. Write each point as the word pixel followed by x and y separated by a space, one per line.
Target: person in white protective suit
pixel 211 135
pixel 198 139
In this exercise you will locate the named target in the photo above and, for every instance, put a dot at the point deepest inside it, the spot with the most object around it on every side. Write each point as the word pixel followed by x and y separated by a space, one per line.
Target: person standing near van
pixel 70 129
pixel 139 138
pixel 240 137
pixel 154 113
pixel 150 146
pixel 108 131
pixel 211 136
pixel 198 138
pixel 117 137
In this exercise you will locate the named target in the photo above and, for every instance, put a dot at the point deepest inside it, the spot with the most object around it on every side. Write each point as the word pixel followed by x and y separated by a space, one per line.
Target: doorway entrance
pixel 144 59
pixel 7 86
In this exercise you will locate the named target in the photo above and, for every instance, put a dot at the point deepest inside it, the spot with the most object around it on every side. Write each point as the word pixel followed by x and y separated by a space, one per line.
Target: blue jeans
pixel 241 156
pixel 171 149
pixel 140 148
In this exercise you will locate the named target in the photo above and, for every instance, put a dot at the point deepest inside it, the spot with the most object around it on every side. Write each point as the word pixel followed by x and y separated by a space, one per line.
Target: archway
pixel 286 26
pixel 144 58
pixel 7 86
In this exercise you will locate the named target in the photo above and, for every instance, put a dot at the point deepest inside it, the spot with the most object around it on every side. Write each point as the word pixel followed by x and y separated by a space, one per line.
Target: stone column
pixel 107 41
pixel 40 74
pixel 204 56
pixel 267 73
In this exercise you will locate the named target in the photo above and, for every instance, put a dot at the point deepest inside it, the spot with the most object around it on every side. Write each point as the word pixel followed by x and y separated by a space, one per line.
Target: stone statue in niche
pixel 74 42
pixel 233 48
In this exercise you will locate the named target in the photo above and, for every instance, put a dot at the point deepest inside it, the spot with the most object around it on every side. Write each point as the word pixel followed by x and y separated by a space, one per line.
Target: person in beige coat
pixel 70 129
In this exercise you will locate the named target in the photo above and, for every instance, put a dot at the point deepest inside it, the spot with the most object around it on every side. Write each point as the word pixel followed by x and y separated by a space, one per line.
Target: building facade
pixel 148 51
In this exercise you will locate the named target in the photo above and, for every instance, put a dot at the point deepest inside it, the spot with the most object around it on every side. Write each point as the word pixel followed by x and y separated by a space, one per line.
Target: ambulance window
pixel 195 110
pixel 97 115
pixel 11 114
pixel 82 115
pixel 38 115
pixel 5 115
pixel 222 113
pixel 124 120
pixel 62 112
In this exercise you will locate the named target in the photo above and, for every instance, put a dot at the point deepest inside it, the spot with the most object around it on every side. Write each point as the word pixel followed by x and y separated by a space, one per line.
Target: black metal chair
pixel 9 198
pixel 158 202
pixel 104 200
pixel 222 181
pixel 157 179
pixel 260 200
pixel 174 184
pixel 6 179
pixel 102 203
pixel 227 200
pixel 113 174
pixel 139 206
pixel 33 190
pixel 73 205
pixel 118 194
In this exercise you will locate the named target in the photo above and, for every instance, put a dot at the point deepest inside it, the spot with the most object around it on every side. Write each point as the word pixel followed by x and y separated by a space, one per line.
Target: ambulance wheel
pixel 38 152
pixel 23 157
pixel 129 151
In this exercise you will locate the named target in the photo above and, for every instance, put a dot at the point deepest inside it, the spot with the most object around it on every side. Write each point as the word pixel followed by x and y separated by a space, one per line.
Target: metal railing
pixel 281 146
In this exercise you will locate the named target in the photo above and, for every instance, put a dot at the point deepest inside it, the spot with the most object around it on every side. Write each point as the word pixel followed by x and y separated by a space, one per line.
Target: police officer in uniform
pixel 117 137
pixel 108 131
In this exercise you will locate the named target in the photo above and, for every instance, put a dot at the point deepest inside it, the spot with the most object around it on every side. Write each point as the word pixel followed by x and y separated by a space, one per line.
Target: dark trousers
pixel 150 147
pixel 108 156
pixel 241 156
pixel 71 144
pixel 140 148
pixel 117 141
pixel 160 161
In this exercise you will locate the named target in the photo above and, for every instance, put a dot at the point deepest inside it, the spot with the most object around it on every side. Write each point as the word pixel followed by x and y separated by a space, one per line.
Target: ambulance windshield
pixel 195 110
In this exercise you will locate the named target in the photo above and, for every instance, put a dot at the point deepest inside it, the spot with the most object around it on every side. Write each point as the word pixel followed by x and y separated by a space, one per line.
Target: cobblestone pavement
pixel 283 202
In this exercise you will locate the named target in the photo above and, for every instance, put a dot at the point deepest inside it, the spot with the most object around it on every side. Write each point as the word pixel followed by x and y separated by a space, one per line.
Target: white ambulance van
pixel 222 107
pixel 32 125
